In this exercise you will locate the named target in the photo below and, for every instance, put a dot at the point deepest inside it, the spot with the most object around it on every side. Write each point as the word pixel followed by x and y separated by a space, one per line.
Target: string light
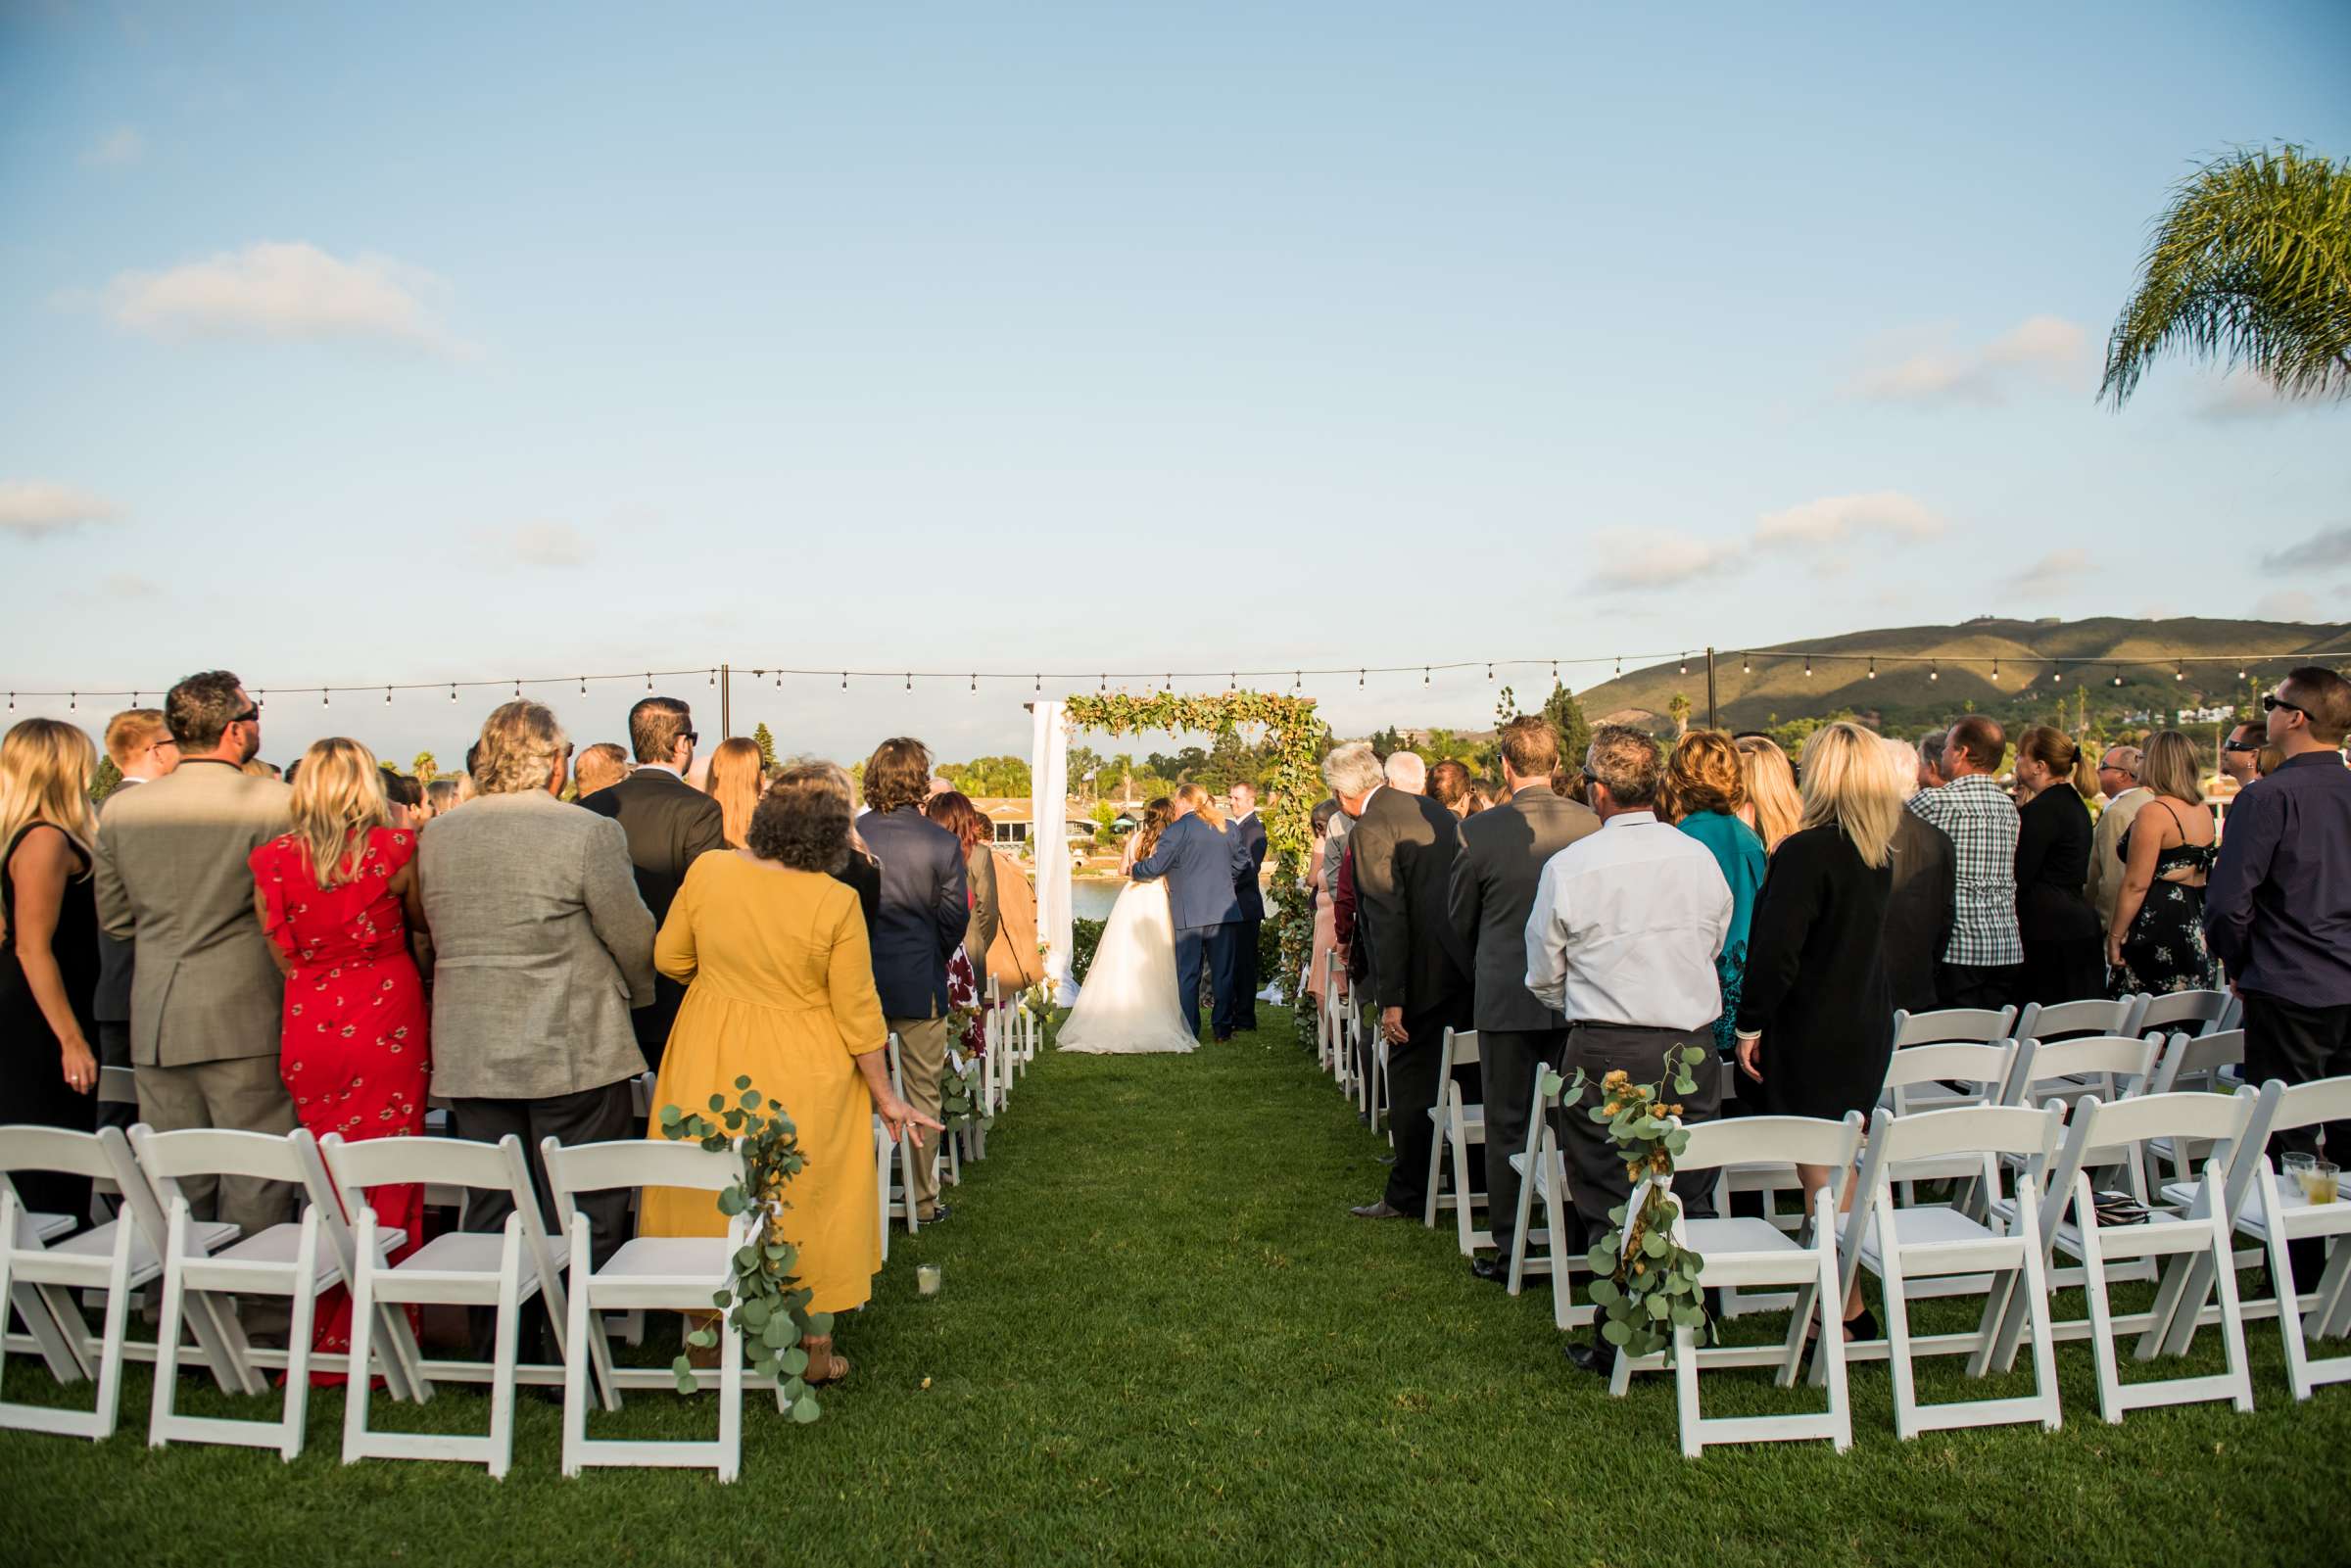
pixel 1104 679
pixel 1873 668
pixel 1359 680
pixel 975 679
pixel 779 680
pixel 1996 672
pixel 73 702
pixel 1039 679
pixel 909 680
pixel 387 696
pixel 2056 676
pixel 2179 674
pixel 714 677
pixel 1554 672
pixel 1424 675
pixel 1488 669
pixel 649 679
pixel 2240 674
pixel 1685 664
pixel 1297 680
pixel 1807 666
pixel 1744 666
pixel 1620 665
pixel 2118 675
pixel 323 696
pixel 518 691
pixel 1232 680
pixel 260 698
pixel 453 690
pixel 583 685
pixel 1934 671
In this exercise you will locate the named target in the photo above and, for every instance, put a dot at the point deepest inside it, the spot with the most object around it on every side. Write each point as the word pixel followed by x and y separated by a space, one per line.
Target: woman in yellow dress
pixel 781 989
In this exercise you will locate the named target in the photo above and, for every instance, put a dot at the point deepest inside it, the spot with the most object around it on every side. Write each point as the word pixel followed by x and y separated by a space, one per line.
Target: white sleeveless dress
pixel 1128 1006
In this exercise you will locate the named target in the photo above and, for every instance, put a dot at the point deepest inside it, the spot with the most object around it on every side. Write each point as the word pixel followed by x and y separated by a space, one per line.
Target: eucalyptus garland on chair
pixel 1293 786
pixel 764 1302
pixel 1646 1283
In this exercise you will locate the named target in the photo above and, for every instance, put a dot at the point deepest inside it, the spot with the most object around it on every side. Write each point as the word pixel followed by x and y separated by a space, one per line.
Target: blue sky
pixel 350 346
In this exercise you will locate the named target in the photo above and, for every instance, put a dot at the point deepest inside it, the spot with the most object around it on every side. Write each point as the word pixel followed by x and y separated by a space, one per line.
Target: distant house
pixel 1015 818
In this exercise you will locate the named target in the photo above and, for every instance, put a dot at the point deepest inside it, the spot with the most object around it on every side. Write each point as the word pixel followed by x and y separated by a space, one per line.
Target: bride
pixel 1128 1005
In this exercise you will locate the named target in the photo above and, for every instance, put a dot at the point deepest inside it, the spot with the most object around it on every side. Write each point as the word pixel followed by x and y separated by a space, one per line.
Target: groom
pixel 1200 865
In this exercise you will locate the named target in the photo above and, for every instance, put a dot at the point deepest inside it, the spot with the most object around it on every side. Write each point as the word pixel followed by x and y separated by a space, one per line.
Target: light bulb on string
pixel 2118 675
pixel 583 685
pixel 1873 666
pixel 323 696
pixel 1424 675
pixel 387 696
pixel 260 698
pixel 1685 664
pixel 73 702
pixel 2240 674
pixel 975 679
pixel 1040 681
pixel 909 680
pixel 1744 667
pixel 1297 680
pixel 1166 681
pixel 845 680
pixel 1359 680
pixel 2056 676
pixel 1934 671
pixel 1488 669
pixel 2179 674
pixel 1620 664
pixel 714 677
pixel 1807 666
pixel 453 690
pixel 1554 672
pixel 518 691
pixel 1102 680
pixel 1996 672
pixel 649 679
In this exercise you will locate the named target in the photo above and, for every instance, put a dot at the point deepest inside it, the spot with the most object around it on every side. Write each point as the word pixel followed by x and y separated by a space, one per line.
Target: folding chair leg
pixel 1685 1390
pixel 501 1366
pixel 730 1402
pixel 1906 1424
pixel 2233 1323
pixel 2102 1314
pixel 305 1307
pixel 359 1387
pixel 1526 1209
pixel 167 1328
pixel 575 1363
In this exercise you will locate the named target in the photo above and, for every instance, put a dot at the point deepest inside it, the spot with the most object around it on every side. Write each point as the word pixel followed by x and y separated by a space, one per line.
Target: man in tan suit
pixel 2118 782
pixel 206 1000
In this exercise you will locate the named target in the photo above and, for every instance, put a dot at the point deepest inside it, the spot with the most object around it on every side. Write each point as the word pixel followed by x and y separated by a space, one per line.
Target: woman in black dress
pixel 1815 1019
pixel 48 946
pixel 2065 958
pixel 2156 941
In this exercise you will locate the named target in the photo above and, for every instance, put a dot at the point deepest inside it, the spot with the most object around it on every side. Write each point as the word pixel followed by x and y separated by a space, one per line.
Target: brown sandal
pixel 823 1366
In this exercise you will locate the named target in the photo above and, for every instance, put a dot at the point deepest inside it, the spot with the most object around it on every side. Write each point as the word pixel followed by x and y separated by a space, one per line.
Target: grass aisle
pixel 1163 1338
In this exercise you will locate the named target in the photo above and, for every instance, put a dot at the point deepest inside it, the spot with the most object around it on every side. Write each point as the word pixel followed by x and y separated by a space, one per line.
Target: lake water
pixel 1090 897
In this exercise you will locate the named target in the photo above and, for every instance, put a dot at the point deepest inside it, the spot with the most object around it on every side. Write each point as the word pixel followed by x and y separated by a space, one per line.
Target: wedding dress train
pixel 1128 1005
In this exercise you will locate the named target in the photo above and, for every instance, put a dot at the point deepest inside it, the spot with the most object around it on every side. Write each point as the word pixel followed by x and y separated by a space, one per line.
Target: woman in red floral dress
pixel 354 1052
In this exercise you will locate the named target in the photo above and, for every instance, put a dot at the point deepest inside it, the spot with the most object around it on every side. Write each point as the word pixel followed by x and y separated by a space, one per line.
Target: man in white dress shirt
pixel 1622 939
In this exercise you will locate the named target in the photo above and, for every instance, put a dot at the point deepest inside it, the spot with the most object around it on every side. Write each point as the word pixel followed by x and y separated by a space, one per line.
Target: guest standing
pixel 1771 807
pixel 139 742
pixel 861 873
pixel 1929 760
pixel 2155 935
pixel 667 823
pixel 1489 896
pixel 734 783
pixel 1250 889
pixel 2119 783
pixel 1012 958
pixel 2279 910
pixel 1201 858
pixel 542 946
pixel 1317 966
pixel 2064 954
pixel 1703 788
pixel 925 913
pixel 338 898
pixel 1622 939
pixel 48 948
pixel 1404 847
pixel 770 947
pixel 205 997
pixel 1982 960
pixel 952 810
pixel 600 767
pixel 1449 785
pixel 1922 902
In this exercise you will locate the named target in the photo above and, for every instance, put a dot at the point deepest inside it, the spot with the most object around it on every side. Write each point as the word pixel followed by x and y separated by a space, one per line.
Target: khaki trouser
pixel 244 1094
pixel 922 1058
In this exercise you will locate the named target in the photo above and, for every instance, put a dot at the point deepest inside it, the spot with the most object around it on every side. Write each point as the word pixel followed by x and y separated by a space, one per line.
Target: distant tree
pixel 107 779
pixel 1679 709
pixel 999 776
pixel 1567 722
pixel 1385 744
pixel 424 767
pixel 2250 265
pixel 765 740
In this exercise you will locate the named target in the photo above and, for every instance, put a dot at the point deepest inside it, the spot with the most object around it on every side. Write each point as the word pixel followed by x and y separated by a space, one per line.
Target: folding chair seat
pixel 2095 1131
pixel 297 1259
pixel 1767 1181
pixel 1900 1245
pixel 459 1268
pixel 1749 1251
pixel 674 1273
pixel 1543 1178
pixel 39 1280
pixel 1459 1128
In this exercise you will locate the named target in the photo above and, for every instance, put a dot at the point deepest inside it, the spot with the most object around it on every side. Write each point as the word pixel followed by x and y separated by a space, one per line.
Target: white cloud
pixel 288 291
pixel 2329 547
pixel 2053 573
pixel 1834 518
pixel 2243 395
pixel 2287 604
pixel 1640 558
pixel 2043 349
pixel 118 147
pixel 31 508
pixel 547 544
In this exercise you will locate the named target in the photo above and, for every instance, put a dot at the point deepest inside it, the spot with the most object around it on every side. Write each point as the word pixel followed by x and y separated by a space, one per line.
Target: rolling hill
pixel 2164 666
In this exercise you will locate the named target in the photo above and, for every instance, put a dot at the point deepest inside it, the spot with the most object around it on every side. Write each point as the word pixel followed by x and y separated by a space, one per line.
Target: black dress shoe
pixel 1224 1036
pixel 1379 1210
pixel 1598 1357
pixel 937 1215
pixel 1496 1270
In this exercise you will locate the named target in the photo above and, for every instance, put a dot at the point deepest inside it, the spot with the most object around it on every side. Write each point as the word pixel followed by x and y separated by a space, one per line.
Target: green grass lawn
pixel 1162 1338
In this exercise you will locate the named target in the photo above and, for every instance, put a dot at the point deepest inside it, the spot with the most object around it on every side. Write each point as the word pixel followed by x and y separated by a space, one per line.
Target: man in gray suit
pixel 1490 895
pixel 541 948
pixel 139 744
pixel 205 999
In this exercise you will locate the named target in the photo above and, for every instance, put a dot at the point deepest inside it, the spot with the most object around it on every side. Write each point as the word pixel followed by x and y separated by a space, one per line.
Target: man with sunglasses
pixel 206 998
pixel 668 823
pixel 2278 911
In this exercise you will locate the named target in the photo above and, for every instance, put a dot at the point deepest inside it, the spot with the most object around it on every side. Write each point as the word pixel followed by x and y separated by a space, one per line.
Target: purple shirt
pixel 2279 910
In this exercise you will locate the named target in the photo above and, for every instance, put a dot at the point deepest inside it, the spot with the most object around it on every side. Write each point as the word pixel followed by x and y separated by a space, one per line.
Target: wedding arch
pixel 1295 784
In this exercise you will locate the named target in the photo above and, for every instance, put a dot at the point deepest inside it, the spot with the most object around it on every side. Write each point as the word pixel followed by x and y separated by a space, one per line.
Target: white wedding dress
pixel 1128 1005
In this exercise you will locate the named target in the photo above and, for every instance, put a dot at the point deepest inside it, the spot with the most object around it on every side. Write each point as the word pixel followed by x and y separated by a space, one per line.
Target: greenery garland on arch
pixel 1292 788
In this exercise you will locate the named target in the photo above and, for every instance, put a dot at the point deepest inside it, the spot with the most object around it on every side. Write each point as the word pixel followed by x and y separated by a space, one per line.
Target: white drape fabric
pixel 1049 845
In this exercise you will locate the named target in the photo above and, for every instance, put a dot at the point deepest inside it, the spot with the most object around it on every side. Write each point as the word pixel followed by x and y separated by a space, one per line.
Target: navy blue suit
pixel 923 910
pixel 1251 830
pixel 1200 866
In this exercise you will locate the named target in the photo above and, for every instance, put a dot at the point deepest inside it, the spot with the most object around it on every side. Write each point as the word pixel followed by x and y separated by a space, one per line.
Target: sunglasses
pixel 2270 704
pixel 252 715
pixel 2242 745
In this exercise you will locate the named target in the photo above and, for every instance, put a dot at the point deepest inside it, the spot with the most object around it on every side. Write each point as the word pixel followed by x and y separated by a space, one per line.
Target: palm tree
pixel 2250 265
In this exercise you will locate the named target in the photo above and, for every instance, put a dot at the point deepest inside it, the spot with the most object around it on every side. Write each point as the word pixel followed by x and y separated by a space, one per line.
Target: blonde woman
pixel 1815 1022
pixel 338 898
pixel 2065 957
pixel 734 783
pixel 1772 806
pixel 48 945
pixel 2155 942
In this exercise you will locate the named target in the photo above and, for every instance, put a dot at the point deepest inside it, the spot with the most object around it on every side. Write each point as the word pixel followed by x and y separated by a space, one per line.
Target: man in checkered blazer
pixel 1983 961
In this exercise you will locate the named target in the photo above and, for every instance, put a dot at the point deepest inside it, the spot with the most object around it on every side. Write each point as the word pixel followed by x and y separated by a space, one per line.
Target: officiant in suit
pixel 1491 893
pixel 668 823
pixel 1250 828
pixel 1403 846
pixel 1201 858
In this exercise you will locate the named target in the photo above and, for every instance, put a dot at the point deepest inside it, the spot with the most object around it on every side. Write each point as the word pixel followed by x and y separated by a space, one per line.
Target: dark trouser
pixel 1511 1059
pixel 651 1024
pixel 2066 971
pixel 1985 985
pixel 1413 1069
pixel 1594 1168
pixel 114 1051
pixel 1236 1009
pixel 591 1115
pixel 2298 1044
pixel 1205 949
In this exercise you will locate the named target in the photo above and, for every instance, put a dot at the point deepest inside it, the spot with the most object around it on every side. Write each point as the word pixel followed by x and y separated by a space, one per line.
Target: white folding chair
pixel 675 1273
pixel 459 1268
pixel 896 1159
pixel 2096 1131
pixel 2190 1061
pixel 1750 1252
pixel 297 1259
pixel 1458 1127
pixel 1900 1245
pixel 1543 1178
pixel 1944 1076
pixel 1954 1025
pixel 2095 1015
pixel 40 1282
pixel 2197 1012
